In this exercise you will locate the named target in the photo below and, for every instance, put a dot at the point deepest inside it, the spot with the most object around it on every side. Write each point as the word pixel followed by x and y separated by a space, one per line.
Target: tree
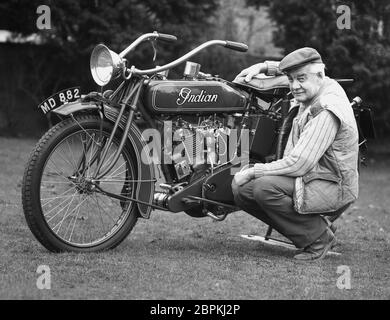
pixel 236 21
pixel 78 25
pixel 361 52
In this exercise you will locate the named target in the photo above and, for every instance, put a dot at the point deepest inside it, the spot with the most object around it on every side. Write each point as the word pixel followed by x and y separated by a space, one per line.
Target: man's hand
pixel 252 71
pixel 242 177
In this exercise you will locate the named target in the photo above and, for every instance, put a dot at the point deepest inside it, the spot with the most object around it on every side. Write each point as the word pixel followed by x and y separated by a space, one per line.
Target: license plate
pixel 60 98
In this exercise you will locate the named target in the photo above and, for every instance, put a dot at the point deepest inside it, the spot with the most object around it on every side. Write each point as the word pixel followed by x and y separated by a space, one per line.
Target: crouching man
pixel 318 173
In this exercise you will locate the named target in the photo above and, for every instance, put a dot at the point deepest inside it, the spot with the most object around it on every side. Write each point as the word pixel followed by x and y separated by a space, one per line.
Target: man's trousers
pixel 269 198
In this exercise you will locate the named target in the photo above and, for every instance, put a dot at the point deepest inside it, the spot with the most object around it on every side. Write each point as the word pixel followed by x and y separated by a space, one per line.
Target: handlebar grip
pixel 236 46
pixel 166 37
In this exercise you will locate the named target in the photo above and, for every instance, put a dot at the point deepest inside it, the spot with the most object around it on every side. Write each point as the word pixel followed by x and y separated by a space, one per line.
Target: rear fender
pixel 145 191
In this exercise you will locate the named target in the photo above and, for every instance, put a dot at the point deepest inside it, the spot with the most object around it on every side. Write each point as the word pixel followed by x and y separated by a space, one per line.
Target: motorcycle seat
pixel 262 82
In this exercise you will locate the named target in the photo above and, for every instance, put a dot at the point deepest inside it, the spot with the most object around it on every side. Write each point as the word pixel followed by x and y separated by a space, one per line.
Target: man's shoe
pixel 319 248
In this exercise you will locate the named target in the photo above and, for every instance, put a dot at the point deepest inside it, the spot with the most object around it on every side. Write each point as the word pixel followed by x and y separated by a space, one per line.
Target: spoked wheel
pixel 64 202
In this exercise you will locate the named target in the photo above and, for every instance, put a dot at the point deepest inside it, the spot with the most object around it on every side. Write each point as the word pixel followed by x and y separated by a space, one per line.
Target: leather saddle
pixel 261 82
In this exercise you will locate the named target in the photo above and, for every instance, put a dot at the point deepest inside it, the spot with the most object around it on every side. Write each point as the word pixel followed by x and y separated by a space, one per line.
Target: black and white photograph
pixel 194 156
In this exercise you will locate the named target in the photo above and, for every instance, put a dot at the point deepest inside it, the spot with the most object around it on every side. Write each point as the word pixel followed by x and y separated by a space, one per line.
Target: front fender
pixel 74 107
pixel 145 190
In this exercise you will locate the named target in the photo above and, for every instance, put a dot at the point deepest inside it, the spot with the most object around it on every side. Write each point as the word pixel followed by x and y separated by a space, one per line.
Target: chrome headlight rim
pixel 105 65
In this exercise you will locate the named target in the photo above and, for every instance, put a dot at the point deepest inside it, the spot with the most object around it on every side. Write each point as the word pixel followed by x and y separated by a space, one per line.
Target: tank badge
pixel 186 96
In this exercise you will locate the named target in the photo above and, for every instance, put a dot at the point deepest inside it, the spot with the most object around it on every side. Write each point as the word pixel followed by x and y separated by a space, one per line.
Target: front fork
pixel 100 155
pixel 134 96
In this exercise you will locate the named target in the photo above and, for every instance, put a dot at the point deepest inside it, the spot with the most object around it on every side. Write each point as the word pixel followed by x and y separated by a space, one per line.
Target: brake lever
pixel 154 49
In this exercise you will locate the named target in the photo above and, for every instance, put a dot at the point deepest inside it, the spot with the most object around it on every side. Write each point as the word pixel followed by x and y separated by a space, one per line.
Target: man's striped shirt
pixel 302 155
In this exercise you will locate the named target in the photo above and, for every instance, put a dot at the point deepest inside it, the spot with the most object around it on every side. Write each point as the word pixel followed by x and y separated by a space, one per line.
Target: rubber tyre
pixel 31 187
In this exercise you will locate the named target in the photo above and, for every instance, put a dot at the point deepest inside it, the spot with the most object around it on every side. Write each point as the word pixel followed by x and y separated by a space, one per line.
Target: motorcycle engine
pixel 199 145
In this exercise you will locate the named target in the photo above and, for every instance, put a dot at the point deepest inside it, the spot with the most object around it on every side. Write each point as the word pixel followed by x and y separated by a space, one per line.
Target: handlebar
pixel 169 38
pixel 224 43
pixel 148 36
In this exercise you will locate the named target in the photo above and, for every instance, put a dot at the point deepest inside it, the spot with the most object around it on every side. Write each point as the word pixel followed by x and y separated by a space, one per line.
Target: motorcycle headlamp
pixel 105 65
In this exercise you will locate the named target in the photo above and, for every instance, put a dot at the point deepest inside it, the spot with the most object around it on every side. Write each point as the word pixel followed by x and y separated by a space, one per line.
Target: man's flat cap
pixel 299 58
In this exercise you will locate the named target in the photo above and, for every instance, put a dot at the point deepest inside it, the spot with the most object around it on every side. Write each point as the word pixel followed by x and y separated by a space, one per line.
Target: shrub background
pixel 34 63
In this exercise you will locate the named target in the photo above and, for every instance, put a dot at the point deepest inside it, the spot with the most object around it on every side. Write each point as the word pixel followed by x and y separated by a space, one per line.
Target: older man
pixel 318 172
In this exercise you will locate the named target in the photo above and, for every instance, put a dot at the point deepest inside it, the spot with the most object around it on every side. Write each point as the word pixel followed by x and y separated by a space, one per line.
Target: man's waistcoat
pixel 333 182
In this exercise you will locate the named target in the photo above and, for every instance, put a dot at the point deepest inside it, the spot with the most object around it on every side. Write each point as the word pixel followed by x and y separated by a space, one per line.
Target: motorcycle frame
pixel 128 94
pixel 135 87
pixel 126 91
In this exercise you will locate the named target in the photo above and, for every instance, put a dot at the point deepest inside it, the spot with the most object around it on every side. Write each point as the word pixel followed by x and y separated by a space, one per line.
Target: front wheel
pixel 64 204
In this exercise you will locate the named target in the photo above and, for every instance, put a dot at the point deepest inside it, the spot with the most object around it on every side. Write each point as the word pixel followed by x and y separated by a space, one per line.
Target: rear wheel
pixel 63 201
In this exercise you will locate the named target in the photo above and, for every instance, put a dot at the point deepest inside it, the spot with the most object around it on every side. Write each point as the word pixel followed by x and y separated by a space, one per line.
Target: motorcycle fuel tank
pixel 192 97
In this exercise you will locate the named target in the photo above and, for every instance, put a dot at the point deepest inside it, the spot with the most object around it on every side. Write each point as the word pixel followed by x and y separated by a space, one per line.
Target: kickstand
pixel 268 233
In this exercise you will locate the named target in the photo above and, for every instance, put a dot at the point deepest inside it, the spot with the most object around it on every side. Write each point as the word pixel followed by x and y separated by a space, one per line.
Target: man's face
pixel 304 84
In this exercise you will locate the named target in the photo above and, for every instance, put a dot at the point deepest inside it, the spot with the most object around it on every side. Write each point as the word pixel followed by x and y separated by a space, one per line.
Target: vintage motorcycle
pixel 152 143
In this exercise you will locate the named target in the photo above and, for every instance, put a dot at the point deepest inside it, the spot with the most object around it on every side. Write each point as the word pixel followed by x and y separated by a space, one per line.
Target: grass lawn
pixel 174 256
